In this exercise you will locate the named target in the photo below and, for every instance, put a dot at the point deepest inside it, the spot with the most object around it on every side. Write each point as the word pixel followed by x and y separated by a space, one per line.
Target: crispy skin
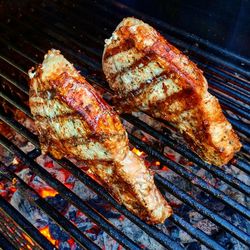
pixel 151 75
pixel 73 120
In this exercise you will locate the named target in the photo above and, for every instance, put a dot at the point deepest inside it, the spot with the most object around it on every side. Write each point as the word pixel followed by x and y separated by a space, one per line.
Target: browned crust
pixel 68 91
pixel 124 175
pixel 161 49
pixel 192 96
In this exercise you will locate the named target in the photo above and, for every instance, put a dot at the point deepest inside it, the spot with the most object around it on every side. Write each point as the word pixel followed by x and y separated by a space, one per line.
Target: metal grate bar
pixel 34 153
pixel 239 109
pixel 241 83
pixel 13 64
pixel 198 234
pixel 240 126
pixel 16 104
pixel 213 83
pixel 23 88
pixel 184 35
pixel 79 237
pixel 84 178
pixel 239 234
pixel 213 70
pixel 68 195
pixel 5 244
pixel 203 210
pixel 242 96
pixel 178 169
pixel 66 38
pixel 243 165
pixel 207 66
pixel 227 89
pixel 182 149
pixel 151 230
pixel 224 101
pixel 27 227
pixel 227 178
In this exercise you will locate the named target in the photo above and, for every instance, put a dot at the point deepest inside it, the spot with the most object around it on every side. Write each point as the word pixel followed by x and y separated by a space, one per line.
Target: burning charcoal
pixel 185 237
pixel 207 226
pixel 239 197
pixel 57 202
pixel 57 233
pixel 236 244
pixel 64 246
pixel 82 225
pixel 25 174
pixel 244 178
pixel 83 191
pixel 28 147
pixel 109 243
pixel 28 210
pixel 137 235
pixel 79 219
pixel 94 232
pixel 194 217
pixel 175 178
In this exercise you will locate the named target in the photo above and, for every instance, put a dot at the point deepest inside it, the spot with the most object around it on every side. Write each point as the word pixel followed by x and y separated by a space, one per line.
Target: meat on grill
pixel 73 120
pixel 149 74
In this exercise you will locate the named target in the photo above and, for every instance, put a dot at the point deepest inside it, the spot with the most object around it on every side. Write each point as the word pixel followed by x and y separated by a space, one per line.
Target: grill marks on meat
pixel 149 74
pixel 73 120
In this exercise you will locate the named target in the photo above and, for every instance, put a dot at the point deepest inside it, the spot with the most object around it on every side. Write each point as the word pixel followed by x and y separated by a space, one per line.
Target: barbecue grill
pixel 78 29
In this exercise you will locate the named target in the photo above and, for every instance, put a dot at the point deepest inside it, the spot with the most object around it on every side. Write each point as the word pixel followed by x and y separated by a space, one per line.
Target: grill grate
pixel 62 26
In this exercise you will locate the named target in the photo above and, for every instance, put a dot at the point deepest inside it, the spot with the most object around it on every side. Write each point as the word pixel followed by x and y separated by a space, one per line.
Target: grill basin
pixel 78 29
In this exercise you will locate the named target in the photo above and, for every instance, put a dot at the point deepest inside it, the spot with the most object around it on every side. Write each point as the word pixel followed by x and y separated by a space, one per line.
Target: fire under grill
pixel 210 203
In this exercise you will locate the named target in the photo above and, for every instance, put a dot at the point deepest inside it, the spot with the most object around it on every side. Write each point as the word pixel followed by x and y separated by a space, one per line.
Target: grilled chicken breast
pixel 149 74
pixel 73 120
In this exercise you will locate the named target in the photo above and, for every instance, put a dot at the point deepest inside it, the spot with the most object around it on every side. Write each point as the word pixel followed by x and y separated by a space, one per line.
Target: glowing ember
pixel 2 186
pixel 164 168
pixel 45 232
pixel 45 192
pixel 29 240
pixel 14 181
pixel 71 243
pixel 157 163
pixel 69 185
pixel 137 151
pixel 15 161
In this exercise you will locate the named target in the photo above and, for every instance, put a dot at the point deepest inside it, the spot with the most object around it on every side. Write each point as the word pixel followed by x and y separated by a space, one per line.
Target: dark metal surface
pixel 33 197
pixel 79 30
pixel 226 25
pixel 25 224
pixel 5 244
pixel 69 195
